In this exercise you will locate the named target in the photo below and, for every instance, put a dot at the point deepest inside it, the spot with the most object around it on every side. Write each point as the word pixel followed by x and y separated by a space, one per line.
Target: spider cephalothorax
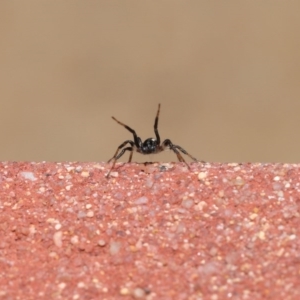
pixel 149 146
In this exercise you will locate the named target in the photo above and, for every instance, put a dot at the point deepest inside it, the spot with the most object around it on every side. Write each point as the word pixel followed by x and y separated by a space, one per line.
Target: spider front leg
pixel 168 144
pixel 156 125
pixel 137 140
pixel 117 156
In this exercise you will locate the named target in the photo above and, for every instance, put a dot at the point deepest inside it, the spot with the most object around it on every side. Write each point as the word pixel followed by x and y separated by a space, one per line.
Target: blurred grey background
pixel 226 73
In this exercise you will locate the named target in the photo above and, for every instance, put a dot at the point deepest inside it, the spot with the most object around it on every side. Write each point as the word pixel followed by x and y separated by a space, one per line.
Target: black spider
pixel 149 146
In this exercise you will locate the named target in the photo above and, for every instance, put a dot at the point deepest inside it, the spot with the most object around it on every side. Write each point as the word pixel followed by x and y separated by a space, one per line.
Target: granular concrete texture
pixel 156 231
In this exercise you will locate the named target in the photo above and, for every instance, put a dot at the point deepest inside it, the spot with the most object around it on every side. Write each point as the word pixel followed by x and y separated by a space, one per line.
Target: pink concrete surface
pixel 158 231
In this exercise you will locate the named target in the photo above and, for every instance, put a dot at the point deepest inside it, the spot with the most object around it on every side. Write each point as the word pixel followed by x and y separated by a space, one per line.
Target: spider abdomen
pixel 149 146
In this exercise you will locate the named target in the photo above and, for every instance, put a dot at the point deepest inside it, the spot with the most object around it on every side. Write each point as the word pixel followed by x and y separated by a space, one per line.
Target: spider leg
pixel 156 124
pixel 175 148
pixel 137 140
pixel 115 158
pixel 183 151
pixel 130 156
pixel 168 144
pixel 120 147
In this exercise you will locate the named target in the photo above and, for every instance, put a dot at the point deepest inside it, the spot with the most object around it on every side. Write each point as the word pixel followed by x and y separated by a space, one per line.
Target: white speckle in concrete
pixel 28 175
pixel 57 238
pixel 202 175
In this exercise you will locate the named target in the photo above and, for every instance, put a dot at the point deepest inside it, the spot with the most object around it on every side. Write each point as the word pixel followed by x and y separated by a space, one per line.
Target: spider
pixel 149 146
